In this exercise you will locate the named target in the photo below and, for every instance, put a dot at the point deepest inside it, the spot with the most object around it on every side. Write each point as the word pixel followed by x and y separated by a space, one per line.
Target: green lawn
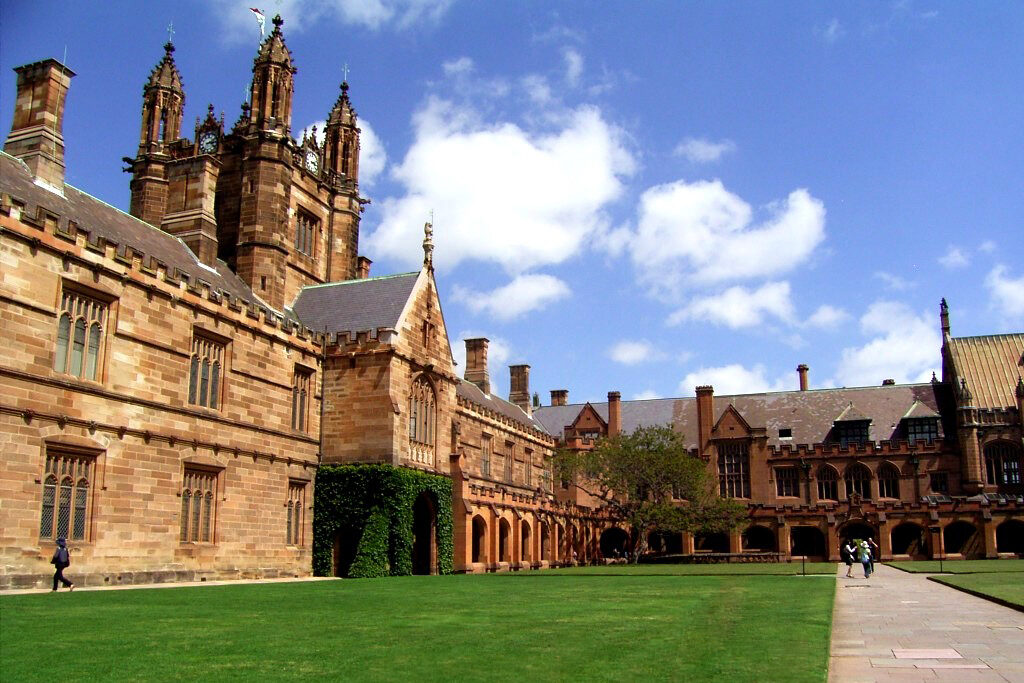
pixel 588 623
pixel 960 566
pixel 1006 587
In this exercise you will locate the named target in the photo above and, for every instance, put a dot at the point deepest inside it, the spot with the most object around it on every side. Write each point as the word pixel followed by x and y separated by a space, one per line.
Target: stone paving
pixel 898 626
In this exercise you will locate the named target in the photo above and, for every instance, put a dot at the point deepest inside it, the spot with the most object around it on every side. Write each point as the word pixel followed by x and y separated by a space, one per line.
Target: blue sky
pixel 633 197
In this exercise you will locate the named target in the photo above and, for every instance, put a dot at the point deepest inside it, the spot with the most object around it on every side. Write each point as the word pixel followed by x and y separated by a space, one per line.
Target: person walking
pixel 873 547
pixel 61 560
pixel 864 555
pixel 848 553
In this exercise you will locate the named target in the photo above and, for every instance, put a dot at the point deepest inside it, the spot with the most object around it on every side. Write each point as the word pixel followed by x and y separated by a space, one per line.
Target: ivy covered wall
pixel 369 509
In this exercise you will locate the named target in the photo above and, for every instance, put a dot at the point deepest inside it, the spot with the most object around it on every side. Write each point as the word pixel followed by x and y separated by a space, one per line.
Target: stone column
pixel 783 540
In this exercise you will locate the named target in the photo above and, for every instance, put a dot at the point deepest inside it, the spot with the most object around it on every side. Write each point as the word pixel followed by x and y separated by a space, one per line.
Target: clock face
pixel 208 142
pixel 312 162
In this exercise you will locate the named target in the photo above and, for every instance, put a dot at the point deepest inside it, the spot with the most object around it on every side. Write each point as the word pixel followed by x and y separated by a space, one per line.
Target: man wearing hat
pixel 61 559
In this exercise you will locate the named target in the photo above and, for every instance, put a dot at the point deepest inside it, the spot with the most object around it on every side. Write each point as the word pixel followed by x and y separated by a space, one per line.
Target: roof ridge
pixel 989 336
pixel 365 279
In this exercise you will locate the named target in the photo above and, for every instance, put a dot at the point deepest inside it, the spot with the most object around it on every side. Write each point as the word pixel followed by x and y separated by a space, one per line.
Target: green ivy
pixel 375 503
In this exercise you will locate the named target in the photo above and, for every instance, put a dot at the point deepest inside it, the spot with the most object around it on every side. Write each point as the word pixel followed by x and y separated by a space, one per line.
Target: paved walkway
pixel 174 584
pixel 898 626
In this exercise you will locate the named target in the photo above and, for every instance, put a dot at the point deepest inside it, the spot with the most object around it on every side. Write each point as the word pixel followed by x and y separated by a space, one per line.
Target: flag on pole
pixel 261 18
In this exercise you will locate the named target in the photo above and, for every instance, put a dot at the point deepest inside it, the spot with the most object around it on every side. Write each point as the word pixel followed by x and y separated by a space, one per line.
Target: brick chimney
pixel 888 382
pixel 37 132
pixel 801 371
pixel 559 397
pixel 476 364
pixel 705 416
pixel 363 267
pixel 614 413
pixel 519 387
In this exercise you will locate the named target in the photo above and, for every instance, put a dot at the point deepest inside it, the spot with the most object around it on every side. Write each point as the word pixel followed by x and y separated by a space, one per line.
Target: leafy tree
pixel 638 475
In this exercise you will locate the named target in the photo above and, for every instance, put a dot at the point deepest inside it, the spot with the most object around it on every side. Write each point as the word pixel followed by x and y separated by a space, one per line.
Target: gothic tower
pixel 163 101
pixel 341 158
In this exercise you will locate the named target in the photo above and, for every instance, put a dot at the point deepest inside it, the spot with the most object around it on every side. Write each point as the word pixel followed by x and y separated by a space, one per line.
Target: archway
pixel 346 542
pixel 424 542
pixel 962 538
pixel 545 539
pixel 711 543
pixel 504 547
pixel 858 530
pixel 479 553
pixel 1010 537
pixel 909 539
pixel 614 542
pixel 759 539
pixel 807 541
pixel 524 547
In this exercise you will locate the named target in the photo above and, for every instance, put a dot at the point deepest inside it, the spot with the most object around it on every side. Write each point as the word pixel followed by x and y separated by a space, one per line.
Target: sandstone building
pixel 175 377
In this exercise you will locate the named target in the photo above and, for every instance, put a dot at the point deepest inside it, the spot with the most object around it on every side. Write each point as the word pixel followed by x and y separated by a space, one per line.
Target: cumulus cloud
pixel 634 352
pixel 832 31
pixel 573 66
pixel 827 317
pixel 739 307
pixel 732 379
pixel 239 22
pixel 894 282
pixel 905 347
pixel 1007 292
pixel 502 194
pixel 954 258
pixel 702 150
pixel 646 395
pixel 458 67
pixel 523 294
pixel 987 247
pixel 700 232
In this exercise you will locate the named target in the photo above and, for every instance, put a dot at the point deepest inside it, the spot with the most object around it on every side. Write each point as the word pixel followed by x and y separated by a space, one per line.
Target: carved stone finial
pixel 1020 387
pixel 168 48
pixel 943 307
pixel 278 21
pixel 965 393
pixel 428 244
pixel 935 380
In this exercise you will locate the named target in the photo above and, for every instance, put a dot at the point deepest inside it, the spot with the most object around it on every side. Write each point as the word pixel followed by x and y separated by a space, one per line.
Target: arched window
pixel 204 372
pixel 65 509
pixel 79 336
pixel 422 419
pixel 888 482
pixel 1002 464
pixel 197 506
pixel 828 483
pixel 858 480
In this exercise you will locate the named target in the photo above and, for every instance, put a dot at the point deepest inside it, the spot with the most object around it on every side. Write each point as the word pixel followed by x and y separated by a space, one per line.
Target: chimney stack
pixel 801 370
pixel 888 382
pixel 363 267
pixel 559 397
pixel 37 132
pixel 614 413
pixel 705 416
pixel 476 364
pixel 519 387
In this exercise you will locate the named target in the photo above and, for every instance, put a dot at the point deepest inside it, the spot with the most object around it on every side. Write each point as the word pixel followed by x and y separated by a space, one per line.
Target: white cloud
pixel 739 307
pixel 905 347
pixel 573 66
pixel 733 379
pixel 498 351
pixel 240 23
pixel 458 67
pixel 1007 293
pixel 954 258
pixel 894 282
pixel 372 155
pixel 988 246
pixel 634 352
pixel 502 194
pixel 702 233
pixel 832 31
pixel 827 317
pixel 524 294
pixel 646 395
pixel 702 150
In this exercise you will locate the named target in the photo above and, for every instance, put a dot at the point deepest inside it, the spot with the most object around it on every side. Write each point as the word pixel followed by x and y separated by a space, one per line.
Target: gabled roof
pixel 991 366
pixel 851 414
pixel 100 220
pixel 355 305
pixel 588 408
pixel 809 414
pixel 919 410
pixel 472 393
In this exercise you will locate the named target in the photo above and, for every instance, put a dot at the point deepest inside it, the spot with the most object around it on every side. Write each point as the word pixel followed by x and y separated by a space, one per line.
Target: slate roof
pixel 99 219
pixel 809 414
pixel 472 393
pixel 991 366
pixel 355 305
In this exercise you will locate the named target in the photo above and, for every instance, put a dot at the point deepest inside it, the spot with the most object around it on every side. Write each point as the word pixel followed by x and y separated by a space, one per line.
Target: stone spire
pixel 272 83
pixel 341 140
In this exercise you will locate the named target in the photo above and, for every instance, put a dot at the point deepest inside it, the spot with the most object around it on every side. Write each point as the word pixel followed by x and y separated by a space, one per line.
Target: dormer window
pixel 786 433
pixel 922 429
pixel 855 433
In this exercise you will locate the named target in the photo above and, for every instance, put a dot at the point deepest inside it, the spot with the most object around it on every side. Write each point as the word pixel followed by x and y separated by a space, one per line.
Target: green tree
pixel 642 476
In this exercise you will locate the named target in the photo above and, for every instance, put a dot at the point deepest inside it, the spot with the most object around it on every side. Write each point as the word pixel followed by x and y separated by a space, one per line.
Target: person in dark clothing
pixel 61 560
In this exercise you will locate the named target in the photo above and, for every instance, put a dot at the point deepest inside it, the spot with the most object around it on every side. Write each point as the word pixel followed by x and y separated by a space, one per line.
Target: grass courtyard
pixel 960 566
pixel 600 623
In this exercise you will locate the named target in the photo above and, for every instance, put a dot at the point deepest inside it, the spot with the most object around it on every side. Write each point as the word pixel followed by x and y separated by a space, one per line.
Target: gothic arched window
pixel 858 480
pixel 828 483
pixel 422 421
pixel 888 482
pixel 65 510
pixel 1002 464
